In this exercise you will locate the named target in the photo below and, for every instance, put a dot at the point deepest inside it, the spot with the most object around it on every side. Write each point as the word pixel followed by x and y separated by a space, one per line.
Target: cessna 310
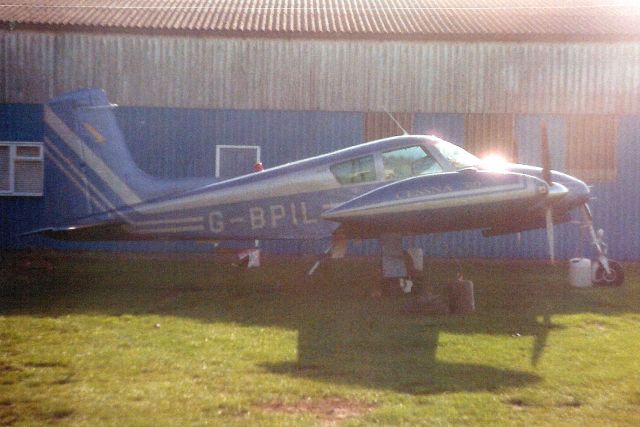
pixel 385 189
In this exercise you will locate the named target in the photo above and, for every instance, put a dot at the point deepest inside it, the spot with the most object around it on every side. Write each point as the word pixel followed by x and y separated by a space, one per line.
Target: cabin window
pixel 409 161
pixel 458 157
pixel 355 171
pixel 21 169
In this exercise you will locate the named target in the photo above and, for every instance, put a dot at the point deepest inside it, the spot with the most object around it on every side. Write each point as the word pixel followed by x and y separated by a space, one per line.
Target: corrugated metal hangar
pixel 194 79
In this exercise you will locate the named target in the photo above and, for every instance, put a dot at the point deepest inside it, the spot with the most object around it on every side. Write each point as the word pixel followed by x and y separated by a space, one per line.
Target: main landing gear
pixel 606 272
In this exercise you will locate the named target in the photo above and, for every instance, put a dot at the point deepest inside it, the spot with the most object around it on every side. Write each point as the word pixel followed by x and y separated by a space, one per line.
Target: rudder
pixel 86 148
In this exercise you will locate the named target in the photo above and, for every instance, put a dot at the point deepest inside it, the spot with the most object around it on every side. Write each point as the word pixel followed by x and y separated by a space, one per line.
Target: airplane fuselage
pixel 306 200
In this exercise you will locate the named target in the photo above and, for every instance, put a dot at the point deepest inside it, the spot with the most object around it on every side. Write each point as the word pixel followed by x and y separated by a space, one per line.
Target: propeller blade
pixel 545 153
pixel 550 235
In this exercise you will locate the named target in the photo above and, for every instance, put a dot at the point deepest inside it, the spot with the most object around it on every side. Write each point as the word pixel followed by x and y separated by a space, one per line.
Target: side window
pixel 21 169
pixel 355 171
pixel 406 162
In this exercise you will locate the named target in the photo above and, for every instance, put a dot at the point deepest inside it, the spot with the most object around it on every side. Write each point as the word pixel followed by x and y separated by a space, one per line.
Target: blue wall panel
pixel 19 122
pixel 617 205
pixel 174 143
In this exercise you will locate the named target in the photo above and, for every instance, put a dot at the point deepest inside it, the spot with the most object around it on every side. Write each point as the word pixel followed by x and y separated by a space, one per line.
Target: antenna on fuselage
pixel 404 131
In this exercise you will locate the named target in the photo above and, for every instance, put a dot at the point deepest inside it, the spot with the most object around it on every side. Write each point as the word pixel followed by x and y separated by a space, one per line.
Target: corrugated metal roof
pixel 509 19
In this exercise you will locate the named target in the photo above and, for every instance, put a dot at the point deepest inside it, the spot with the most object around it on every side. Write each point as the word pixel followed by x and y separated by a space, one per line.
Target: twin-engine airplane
pixel 385 189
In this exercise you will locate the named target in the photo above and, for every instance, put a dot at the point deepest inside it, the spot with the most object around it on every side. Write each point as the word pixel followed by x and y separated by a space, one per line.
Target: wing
pixel 425 204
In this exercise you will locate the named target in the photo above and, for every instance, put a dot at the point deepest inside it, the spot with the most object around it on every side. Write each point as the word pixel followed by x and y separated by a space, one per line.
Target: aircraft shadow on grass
pixel 345 339
pixel 354 346
pixel 374 343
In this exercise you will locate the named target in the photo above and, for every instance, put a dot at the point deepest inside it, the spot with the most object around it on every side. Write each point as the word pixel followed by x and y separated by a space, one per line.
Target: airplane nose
pixel 557 191
pixel 579 192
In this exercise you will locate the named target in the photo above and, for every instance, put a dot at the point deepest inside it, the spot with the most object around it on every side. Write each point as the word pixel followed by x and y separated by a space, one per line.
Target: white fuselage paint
pixel 271 187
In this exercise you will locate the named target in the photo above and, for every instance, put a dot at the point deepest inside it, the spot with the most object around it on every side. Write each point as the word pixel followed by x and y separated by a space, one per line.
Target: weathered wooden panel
pixel 381 125
pixel 591 147
pixel 491 134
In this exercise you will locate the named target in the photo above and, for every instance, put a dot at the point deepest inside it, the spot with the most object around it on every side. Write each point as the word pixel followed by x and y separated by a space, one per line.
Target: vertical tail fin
pixel 86 148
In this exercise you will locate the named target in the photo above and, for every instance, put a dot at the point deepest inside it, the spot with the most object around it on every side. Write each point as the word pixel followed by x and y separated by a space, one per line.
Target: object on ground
pixel 461 298
pixel 580 272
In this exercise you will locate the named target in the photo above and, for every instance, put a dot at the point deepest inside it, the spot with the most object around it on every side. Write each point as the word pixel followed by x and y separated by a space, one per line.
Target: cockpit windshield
pixel 458 157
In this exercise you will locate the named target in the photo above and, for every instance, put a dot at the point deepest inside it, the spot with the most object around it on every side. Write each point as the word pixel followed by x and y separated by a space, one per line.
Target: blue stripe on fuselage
pixel 290 217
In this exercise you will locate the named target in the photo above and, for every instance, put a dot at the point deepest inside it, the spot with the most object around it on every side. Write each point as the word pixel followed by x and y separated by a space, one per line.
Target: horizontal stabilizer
pixel 91 232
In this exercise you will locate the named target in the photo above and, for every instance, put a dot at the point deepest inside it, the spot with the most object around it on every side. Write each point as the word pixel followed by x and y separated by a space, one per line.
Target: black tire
pixel 614 279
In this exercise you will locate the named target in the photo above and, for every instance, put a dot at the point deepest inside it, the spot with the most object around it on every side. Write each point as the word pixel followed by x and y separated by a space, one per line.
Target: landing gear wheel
pixel 613 279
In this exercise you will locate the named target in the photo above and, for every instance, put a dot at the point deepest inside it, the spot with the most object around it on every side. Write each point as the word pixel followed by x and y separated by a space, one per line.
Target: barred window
pixel 21 168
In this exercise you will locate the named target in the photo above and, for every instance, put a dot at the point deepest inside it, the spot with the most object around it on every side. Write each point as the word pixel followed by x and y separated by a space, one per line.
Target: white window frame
pixel 14 157
pixel 219 149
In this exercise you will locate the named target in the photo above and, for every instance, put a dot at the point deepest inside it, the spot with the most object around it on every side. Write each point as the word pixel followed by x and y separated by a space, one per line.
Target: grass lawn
pixel 126 339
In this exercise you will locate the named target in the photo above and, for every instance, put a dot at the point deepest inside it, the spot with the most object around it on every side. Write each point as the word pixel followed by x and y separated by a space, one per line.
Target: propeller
pixel 546 176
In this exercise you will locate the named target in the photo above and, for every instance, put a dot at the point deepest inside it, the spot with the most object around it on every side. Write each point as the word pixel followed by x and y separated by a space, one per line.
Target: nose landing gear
pixel 606 272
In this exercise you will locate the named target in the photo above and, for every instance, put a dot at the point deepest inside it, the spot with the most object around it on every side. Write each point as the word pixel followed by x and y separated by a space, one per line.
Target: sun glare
pixel 494 162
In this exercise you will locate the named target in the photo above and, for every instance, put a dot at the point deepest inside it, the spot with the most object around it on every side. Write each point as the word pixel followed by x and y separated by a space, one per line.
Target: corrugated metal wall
pixel 324 75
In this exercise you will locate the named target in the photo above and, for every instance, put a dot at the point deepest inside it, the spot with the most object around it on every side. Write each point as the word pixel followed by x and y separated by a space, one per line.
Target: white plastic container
pixel 580 272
